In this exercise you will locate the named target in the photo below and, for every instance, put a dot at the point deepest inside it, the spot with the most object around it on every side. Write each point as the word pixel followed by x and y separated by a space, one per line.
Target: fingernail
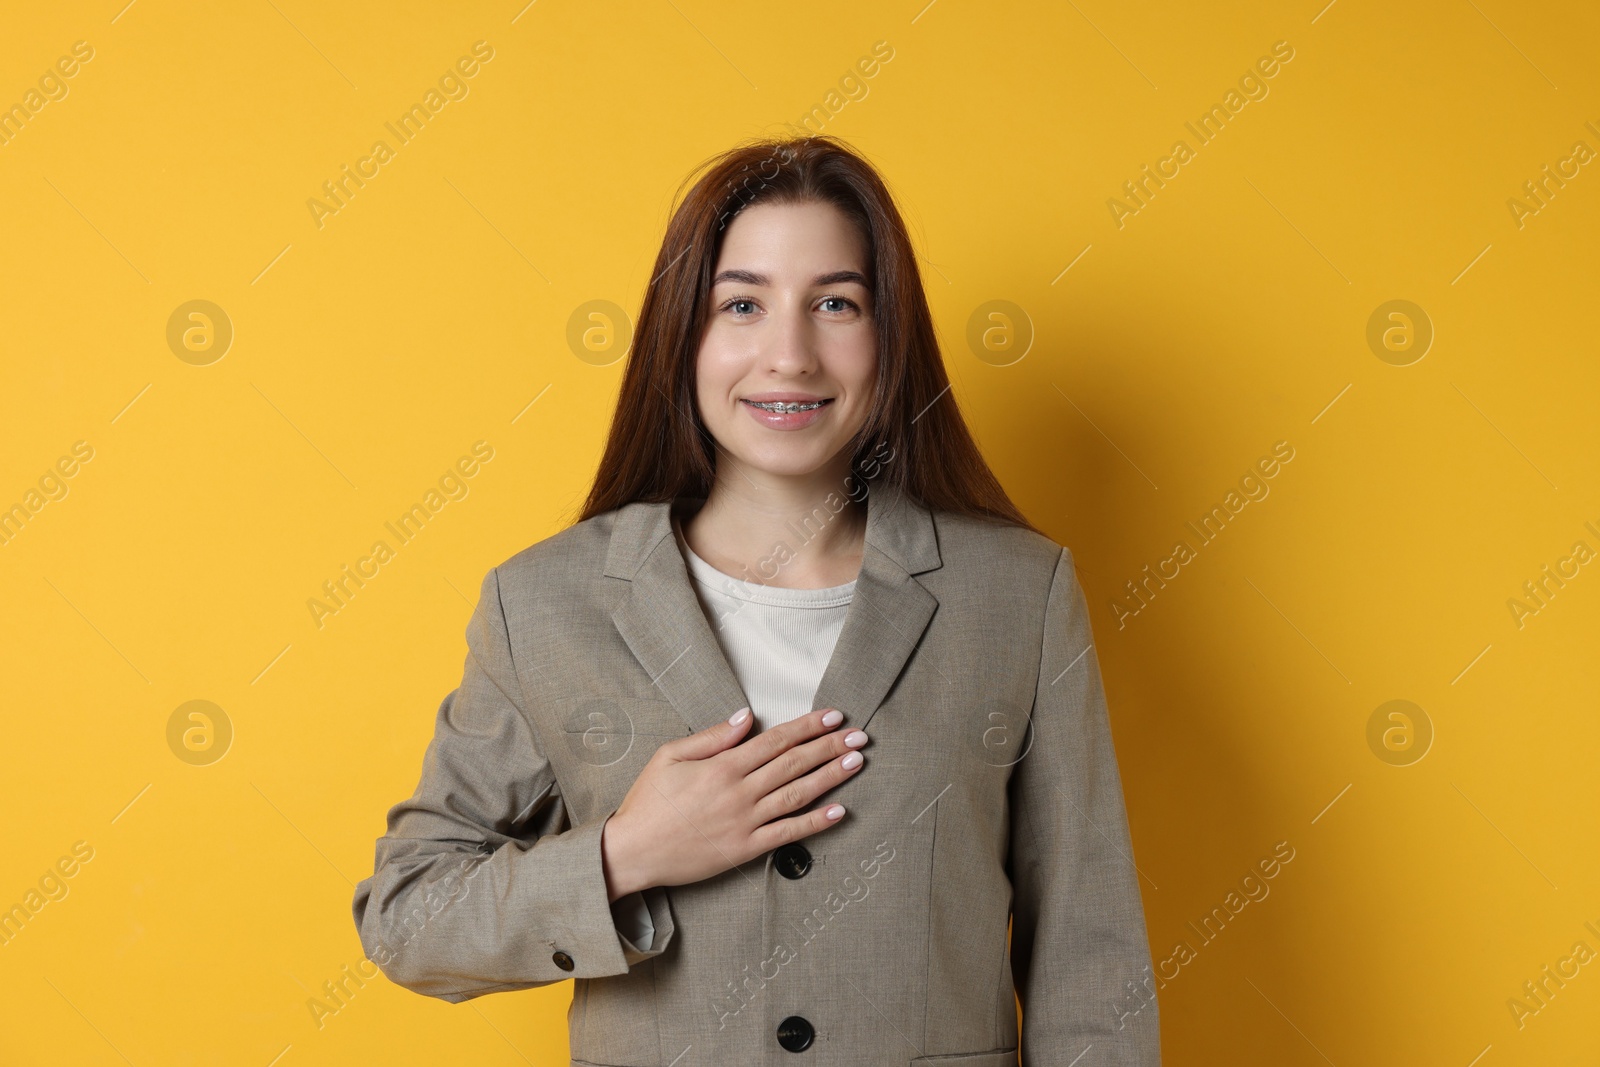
pixel 835 812
pixel 855 739
pixel 832 718
pixel 739 717
pixel 852 761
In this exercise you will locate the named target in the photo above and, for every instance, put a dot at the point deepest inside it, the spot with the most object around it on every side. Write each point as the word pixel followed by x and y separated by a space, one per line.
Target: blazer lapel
pixel 890 609
pixel 661 619
pixel 664 625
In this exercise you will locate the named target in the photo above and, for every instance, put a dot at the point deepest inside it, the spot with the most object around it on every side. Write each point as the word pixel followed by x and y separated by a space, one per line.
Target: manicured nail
pixel 855 739
pixel 852 761
pixel 835 812
pixel 739 717
pixel 832 718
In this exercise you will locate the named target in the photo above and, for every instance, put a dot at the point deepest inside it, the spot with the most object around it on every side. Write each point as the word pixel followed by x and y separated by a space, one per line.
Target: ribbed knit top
pixel 778 641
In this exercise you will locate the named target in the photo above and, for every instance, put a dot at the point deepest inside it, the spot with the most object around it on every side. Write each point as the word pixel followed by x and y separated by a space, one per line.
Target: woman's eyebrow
pixel 748 277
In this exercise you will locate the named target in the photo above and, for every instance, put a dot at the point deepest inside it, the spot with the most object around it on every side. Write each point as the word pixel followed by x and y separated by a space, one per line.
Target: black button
pixel 563 961
pixel 792 861
pixel 795 1033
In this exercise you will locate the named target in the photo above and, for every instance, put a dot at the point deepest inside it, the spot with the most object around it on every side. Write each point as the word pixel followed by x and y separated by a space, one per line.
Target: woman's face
pixel 790 320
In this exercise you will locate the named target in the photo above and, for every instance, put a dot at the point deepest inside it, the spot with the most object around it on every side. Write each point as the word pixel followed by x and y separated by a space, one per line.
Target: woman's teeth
pixel 786 406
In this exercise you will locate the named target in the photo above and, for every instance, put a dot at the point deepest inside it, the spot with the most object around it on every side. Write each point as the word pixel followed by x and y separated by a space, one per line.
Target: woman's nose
pixel 790 342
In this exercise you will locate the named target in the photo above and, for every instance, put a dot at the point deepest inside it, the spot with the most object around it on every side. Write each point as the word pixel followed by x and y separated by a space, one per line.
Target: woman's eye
pixel 738 302
pixel 846 305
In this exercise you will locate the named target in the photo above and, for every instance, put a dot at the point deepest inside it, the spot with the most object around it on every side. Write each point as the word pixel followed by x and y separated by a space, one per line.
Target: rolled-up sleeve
pixel 481 884
pixel 634 923
pixel 1078 949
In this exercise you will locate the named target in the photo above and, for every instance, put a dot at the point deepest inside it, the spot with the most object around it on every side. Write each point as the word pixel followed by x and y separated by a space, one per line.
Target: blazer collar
pixel 661 619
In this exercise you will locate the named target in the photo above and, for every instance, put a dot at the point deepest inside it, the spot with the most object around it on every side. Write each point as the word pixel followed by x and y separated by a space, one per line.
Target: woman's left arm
pixel 1079 955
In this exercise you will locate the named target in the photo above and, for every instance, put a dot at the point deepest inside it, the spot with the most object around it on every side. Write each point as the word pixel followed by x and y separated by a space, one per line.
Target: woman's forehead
pixel 791 244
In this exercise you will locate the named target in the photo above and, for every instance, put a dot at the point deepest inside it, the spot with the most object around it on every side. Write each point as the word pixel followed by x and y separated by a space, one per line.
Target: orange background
pixel 1141 363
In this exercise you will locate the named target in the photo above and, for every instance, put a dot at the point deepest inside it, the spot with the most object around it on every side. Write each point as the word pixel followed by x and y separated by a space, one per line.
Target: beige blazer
pixel 990 793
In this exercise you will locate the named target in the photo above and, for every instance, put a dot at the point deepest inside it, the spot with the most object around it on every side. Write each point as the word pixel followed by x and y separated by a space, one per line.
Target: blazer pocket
pixel 1006 1057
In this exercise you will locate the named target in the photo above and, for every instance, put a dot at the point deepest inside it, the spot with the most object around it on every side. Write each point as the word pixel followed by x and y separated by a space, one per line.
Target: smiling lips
pixel 786 411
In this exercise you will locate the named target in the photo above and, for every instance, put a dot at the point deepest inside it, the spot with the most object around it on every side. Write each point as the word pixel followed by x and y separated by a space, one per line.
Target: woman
pixel 792 524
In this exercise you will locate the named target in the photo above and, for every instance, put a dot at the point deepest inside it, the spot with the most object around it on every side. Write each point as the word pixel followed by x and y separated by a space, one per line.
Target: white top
pixel 778 642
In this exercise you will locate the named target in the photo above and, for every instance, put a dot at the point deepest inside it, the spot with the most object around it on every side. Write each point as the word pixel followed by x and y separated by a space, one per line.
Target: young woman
pixel 791 525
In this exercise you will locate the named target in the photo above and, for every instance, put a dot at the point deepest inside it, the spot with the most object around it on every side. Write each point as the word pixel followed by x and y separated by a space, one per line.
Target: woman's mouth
pixel 786 405
pixel 786 414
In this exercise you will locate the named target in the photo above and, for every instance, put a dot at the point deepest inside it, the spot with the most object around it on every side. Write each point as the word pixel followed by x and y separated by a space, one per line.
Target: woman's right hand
pixel 706 803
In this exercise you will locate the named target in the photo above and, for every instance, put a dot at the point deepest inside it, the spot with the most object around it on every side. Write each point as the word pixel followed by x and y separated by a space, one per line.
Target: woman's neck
pixel 790 537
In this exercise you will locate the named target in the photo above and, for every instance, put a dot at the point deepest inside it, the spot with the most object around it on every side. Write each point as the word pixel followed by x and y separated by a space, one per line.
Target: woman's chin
pixel 785 464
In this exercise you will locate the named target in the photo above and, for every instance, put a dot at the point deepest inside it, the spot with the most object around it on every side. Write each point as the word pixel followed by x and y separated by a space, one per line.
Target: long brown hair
pixel 656 452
